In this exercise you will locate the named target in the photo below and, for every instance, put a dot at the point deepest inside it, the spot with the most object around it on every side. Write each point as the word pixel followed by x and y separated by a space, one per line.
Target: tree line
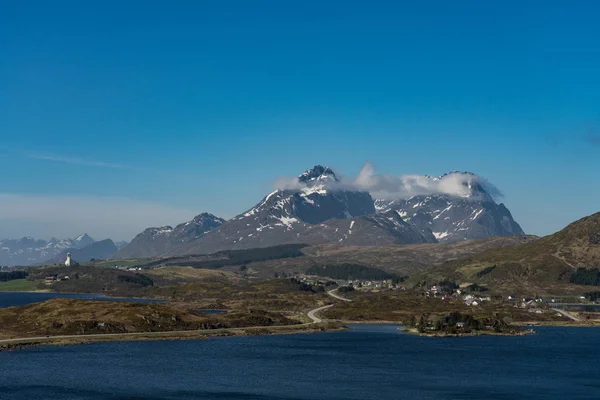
pixel 349 271
pixel 235 257
pixel 584 276
pixel 12 275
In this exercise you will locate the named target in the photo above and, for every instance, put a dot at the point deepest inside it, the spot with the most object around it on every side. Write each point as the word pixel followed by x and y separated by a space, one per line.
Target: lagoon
pixel 10 299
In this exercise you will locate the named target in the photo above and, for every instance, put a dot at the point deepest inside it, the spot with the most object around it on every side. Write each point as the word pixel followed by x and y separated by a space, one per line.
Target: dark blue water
pixel 9 299
pixel 368 362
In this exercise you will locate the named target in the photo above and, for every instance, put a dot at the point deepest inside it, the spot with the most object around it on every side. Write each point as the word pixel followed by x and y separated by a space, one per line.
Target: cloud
pixel 390 187
pixel 77 161
pixel 387 186
pixel 66 216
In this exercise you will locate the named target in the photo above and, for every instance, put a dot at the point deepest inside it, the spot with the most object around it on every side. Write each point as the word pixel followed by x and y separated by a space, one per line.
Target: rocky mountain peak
pixel 156 241
pixel 318 173
pixel 83 240
pixel 466 185
pixel 206 218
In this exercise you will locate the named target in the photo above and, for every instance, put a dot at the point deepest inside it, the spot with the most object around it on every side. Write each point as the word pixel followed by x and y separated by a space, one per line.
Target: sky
pixel 116 116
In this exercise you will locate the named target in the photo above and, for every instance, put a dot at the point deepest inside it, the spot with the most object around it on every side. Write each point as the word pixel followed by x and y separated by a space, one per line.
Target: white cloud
pixel 386 186
pixel 102 217
pixel 396 187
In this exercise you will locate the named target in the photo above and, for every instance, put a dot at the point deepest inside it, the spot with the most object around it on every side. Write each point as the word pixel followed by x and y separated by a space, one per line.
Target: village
pixel 472 295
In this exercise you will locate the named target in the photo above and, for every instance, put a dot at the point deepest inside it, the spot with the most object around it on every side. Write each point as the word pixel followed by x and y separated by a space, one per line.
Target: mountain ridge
pixel 312 208
pixel 312 212
pixel 153 242
pixel 29 251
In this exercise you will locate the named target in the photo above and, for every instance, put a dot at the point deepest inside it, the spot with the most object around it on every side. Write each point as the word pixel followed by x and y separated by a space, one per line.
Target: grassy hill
pixel 394 259
pixel 542 264
pixel 18 285
pixel 74 317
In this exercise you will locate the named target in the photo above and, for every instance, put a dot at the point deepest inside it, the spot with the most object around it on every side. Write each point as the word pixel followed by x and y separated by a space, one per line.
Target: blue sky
pixel 121 115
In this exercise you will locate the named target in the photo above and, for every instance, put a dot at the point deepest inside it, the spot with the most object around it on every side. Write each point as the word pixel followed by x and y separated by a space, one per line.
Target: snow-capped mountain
pixel 28 251
pixel 121 244
pixel 83 240
pixel 316 210
pixel 99 250
pixel 156 241
pixel 471 213
pixel 317 207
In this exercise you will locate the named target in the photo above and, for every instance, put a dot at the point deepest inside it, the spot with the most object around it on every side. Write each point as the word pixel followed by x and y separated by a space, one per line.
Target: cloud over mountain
pixel 390 187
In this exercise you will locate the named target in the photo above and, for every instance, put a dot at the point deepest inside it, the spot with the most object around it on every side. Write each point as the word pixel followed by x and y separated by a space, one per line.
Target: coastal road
pixel 567 314
pixel 336 296
pixel 315 319
pixel 99 335
pixel 311 314
pixel 163 333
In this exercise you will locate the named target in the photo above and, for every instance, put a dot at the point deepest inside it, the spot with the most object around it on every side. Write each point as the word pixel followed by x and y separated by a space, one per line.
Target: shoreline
pixel 325 326
pixel 26 343
pixel 99 295
pixel 414 331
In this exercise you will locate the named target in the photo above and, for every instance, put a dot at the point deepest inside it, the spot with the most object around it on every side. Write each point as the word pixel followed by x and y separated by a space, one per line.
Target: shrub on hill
pixel 137 279
pixel 12 275
pixel 348 271
pixel 584 276
pixel 235 257
pixel 592 296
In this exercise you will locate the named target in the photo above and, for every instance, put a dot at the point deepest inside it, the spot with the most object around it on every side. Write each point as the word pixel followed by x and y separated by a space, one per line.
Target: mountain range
pixel 315 208
pixel 472 215
pixel 29 251
pixel 318 208
pixel 157 241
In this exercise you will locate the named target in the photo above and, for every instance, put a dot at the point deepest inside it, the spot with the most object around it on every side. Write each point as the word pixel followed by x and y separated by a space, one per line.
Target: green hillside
pixel 547 262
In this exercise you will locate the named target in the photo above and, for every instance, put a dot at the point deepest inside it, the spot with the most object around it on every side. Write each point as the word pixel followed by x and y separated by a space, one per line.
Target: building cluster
pixel 374 284
pixel 55 278
pixel 357 284
pixel 127 268
pixel 532 305
pixel 437 291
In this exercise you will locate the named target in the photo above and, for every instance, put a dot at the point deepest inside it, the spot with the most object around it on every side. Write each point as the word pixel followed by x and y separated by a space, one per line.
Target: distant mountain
pixel 121 244
pixel 317 207
pixel 82 241
pixel 28 251
pixel 471 215
pixel 157 241
pixel 549 260
pixel 97 250
pixel 318 210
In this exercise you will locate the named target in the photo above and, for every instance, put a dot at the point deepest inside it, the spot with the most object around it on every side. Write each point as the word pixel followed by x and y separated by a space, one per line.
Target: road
pixel 97 335
pixel 166 333
pixel 315 319
pixel 332 294
pixel 311 314
pixel 566 314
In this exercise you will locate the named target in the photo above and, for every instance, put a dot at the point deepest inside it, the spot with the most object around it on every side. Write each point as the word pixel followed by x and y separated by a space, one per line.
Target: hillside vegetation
pixel 78 317
pixel 543 263
pixel 232 257
pixel 394 259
